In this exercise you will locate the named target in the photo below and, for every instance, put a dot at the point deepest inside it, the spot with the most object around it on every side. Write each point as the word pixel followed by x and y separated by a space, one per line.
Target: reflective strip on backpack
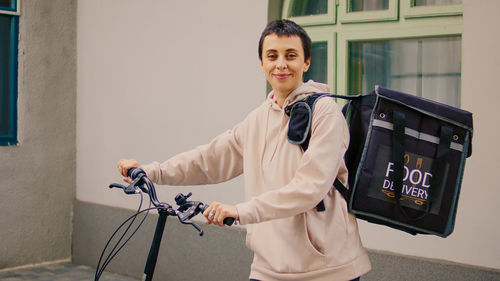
pixel 416 134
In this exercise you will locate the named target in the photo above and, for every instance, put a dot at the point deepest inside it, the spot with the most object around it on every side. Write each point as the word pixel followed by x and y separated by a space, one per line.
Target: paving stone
pixel 60 272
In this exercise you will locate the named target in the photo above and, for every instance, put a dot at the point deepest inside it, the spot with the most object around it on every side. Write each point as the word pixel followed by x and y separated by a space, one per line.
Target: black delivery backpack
pixel 405 159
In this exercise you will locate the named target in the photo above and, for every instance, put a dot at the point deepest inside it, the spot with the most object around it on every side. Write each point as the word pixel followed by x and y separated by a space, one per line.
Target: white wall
pixel 480 208
pixel 184 71
pixel 156 78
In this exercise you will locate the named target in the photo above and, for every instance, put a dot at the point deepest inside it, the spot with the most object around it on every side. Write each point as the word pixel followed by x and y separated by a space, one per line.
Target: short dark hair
pixel 288 28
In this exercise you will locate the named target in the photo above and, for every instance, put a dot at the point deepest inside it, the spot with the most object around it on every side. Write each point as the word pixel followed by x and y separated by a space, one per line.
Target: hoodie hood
pixel 301 92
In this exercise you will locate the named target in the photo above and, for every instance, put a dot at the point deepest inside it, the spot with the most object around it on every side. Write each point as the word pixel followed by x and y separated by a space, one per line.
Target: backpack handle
pixel 437 170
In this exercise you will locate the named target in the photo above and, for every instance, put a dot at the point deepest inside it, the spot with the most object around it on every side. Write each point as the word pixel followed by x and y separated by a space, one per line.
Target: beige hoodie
pixel 290 239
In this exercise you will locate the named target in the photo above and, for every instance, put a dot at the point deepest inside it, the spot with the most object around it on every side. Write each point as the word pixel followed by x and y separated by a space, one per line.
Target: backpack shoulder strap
pixel 299 131
pixel 299 126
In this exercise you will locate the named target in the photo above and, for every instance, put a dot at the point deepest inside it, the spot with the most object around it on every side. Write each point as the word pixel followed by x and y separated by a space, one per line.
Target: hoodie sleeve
pixel 317 170
pixel 218 161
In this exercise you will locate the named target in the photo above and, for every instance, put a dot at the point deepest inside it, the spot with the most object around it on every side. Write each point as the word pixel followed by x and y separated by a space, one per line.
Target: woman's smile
pixel 282 76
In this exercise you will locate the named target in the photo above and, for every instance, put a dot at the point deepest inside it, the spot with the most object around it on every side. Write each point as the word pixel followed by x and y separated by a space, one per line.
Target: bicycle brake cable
pixel 100 268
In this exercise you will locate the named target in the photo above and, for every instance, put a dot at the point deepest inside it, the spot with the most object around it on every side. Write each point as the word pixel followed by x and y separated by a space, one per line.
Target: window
pixel 367 10
pixel 318 62
pixel 413 46
pixel 9 22
pixel 323 53
pixel 425 8
pixel 428 67
pixel 310 12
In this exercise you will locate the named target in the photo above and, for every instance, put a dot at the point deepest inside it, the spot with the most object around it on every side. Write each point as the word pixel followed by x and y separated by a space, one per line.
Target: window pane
pixel 435 2
pixel 429 68
pixel 368 5
pixel 6 4
pixel 5 42
pixel 309 7
pixel 318 71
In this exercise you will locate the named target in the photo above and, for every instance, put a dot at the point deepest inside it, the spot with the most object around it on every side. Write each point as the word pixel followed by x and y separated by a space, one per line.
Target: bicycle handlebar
pixel 187 209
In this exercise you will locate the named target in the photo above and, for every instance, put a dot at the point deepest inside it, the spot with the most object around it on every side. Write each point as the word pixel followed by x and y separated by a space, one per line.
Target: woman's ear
pixel 307 63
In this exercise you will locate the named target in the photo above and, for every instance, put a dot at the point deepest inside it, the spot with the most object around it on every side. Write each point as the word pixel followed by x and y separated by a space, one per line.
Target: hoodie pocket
pixel 283 245
pixel 312 239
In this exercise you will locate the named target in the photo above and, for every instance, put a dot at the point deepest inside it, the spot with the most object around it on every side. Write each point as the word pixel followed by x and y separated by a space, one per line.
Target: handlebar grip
pixel 135 172
pixel 130 171
pixel 228 221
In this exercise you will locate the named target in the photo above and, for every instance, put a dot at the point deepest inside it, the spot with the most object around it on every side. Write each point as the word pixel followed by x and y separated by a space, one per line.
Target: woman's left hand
pixel 217 212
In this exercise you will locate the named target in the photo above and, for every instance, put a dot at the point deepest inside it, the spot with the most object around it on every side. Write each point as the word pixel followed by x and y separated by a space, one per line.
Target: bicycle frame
pixel 155 246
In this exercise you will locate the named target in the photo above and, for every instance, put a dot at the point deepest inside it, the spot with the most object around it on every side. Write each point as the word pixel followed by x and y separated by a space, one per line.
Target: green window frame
pixel 411 11
pixel 10 7
pixel 9 33
pixel 346 16
pixel 407 21
pixel 328 18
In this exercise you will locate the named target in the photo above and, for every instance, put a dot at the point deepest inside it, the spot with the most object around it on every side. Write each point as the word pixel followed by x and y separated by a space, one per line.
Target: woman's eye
pixel 271 56
pixel 292 56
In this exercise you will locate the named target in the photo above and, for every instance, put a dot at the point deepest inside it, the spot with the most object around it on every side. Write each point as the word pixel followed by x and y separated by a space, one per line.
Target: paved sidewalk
pixel 59 272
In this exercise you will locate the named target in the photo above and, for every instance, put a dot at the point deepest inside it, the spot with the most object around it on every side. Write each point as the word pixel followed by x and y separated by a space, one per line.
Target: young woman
pixel 290 238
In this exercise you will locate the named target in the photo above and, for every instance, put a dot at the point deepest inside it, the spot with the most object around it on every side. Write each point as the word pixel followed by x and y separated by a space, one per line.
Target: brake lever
pixel 185 213
pixel 200 231
pixel 131 189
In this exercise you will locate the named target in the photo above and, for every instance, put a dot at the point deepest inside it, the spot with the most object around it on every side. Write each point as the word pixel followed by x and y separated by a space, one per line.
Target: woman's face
pixel 283 62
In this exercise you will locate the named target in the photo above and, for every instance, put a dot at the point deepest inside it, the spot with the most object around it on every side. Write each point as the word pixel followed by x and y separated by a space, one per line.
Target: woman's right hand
pixel 126 164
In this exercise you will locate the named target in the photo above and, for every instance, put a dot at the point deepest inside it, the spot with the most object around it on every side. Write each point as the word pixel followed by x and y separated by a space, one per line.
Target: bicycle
pixel 185 212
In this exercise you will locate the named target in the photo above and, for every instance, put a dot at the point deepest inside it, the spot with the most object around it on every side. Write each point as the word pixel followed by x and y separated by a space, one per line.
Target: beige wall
pixel 37 177
pixel 184 71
